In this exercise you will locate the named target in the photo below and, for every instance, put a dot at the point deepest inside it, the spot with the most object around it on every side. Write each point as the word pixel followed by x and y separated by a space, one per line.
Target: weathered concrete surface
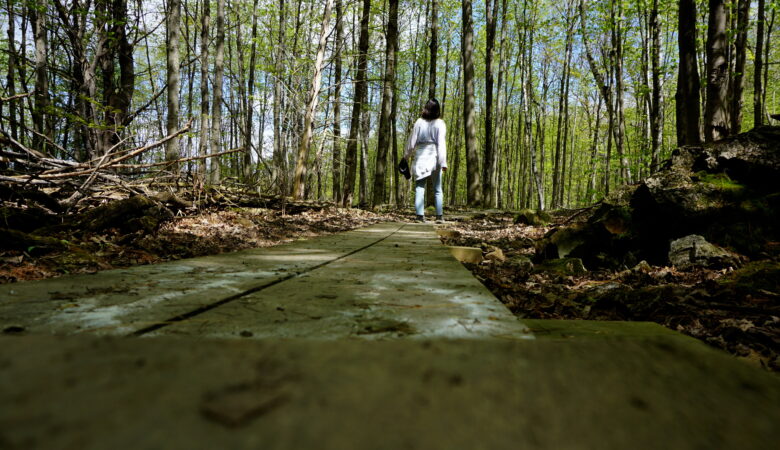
pixel 389 280
pixel 618 392
pixel 126 300
pixel 307 357
pixel 407 285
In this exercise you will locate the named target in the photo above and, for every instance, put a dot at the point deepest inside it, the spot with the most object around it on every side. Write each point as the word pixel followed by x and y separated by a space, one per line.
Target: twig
pixel 14 97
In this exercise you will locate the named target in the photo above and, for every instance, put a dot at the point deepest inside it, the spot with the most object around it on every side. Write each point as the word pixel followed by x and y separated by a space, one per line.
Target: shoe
pixel 420 219
pixel 440 219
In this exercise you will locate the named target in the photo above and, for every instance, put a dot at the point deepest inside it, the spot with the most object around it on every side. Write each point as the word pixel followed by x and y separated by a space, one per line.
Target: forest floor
pixel 210 231
pixel 728 309
pixel 734 310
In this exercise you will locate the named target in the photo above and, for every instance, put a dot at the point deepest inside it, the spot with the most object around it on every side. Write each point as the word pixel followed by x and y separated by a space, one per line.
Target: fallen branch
pixel 15 97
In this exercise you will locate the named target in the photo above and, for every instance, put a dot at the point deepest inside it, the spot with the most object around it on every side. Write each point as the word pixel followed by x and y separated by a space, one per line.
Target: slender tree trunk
pixel 279 158
pixel 10 79
pixel 250 88
pixel 758 106
pixel 384 137
pixel 205 23
pixel 38 15
pixel 216 106
pixel 767 46
pixel 174 78
pixel 740 50
pixel 716 115
pixel 434 48
pixel 311 107
pixel 359 99
pixel 473 189
pixel 656 119
pixel 337 103
pixel 688 104
pixel 489 165
pixel 620 129
pixel 365 129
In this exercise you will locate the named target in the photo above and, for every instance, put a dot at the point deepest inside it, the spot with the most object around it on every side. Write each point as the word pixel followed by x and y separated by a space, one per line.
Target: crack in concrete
pixel 200 310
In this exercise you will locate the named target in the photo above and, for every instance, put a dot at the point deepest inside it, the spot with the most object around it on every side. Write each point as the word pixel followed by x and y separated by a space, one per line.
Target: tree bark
pixel 489 165
pixel 279 157
pixel 174 78
pixel 758 105
pixel 388 94
pixel 339 43
pixel 434 48
pixel 248 166
pixel 473 188
pixel 740 53
pixel 38 12
pixel 205 23
pixel 216 106
pixel 716 115
pixel 688 103
pixel 311 107
pixel 359 99
pixel 656 119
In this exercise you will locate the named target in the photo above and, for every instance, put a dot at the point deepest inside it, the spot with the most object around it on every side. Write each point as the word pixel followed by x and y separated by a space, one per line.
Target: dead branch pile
pixel 27 170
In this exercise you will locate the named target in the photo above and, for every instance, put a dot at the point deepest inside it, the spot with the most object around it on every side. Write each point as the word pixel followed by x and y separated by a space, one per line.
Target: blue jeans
pixel 419 193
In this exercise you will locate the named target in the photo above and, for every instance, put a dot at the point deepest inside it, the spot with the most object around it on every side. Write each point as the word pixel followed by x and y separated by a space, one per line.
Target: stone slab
pixel 618 392
pixel 127 300
pixel 407 286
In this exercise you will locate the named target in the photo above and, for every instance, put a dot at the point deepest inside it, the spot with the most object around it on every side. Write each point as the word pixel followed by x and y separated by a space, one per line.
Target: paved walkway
pixel 374 338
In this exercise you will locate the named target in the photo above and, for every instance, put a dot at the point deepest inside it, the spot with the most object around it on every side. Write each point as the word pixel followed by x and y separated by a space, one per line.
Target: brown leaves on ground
pixel 212 231
pixel 735 310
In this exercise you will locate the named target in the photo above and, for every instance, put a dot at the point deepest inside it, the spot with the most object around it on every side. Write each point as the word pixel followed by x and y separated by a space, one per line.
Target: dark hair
pixel 431 110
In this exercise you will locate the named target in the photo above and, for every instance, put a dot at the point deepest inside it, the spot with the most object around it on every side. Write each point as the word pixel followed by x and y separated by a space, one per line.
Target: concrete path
pixel 388 280
pixel 375 338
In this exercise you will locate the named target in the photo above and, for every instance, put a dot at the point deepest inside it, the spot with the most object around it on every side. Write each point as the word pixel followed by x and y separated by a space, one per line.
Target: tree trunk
pixel 716 116
pixel 434 48
pixel 489 165
pixel 337 103
pixel 688 103
pixel 216 106
pixel 279 158
pixel 10 80
pixel 473 188
pixel 740 53
pixel 38 16
pixel 656 119
pixel 205 23
pixel 620 128
pixel 311 107
pixel 384 137
pixel 248 166
pixel 174 78
pixel 359 99
pixel 758 106
pixel 365 129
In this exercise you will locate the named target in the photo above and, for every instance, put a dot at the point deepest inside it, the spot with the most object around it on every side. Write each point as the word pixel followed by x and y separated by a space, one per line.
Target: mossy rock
pixel 563 266
pixel 129 215
pixel 755 276
pixel 30 243
pixel 533 218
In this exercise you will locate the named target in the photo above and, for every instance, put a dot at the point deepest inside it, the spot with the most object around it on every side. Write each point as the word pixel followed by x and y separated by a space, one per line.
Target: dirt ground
pixel 737 310
pixel 211 231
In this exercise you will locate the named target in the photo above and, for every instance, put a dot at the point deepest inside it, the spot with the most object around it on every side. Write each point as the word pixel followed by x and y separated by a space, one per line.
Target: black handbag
pixel 403 167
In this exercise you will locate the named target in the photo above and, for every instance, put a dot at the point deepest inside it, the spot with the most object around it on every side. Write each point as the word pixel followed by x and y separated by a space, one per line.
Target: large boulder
pixel 695 251
pixel 726 191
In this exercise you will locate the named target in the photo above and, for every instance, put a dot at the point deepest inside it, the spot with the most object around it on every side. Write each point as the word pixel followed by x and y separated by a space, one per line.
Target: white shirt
pixel 428 140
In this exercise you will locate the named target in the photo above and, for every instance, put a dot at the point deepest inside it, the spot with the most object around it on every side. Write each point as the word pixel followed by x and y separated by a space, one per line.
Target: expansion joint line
pixel 210 306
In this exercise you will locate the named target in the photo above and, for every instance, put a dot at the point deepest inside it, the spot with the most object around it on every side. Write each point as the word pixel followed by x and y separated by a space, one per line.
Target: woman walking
pixel 427 144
